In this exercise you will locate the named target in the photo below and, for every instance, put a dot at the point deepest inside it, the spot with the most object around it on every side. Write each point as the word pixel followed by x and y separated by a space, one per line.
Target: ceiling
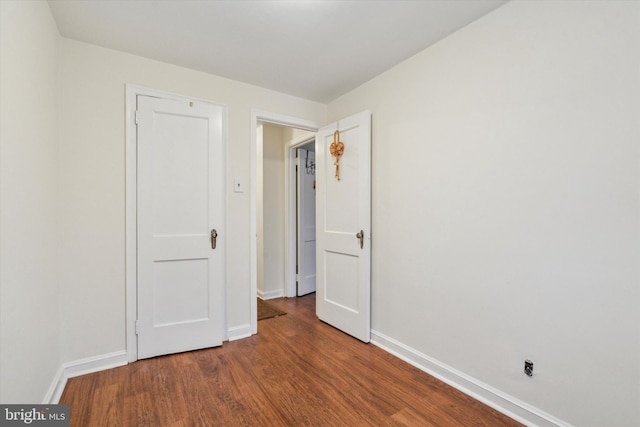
pixel 314 49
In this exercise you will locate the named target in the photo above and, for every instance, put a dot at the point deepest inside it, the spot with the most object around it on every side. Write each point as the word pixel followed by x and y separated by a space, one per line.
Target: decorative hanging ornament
pixel 337 150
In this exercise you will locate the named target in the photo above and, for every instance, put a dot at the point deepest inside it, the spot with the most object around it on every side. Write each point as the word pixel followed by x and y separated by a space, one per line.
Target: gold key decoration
pixel 337 150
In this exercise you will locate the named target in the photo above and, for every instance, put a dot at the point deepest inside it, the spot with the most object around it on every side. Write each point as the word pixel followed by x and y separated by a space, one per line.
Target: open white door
pixel 306 222
pixel 343 216
pixel 180 204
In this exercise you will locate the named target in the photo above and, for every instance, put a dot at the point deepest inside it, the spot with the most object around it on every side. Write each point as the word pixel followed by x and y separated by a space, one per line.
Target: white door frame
pixel 131 206
pixel 290 217
pixel 282 120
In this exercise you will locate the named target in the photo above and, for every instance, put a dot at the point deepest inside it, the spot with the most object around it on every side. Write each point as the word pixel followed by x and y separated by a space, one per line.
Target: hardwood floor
pixel 296 371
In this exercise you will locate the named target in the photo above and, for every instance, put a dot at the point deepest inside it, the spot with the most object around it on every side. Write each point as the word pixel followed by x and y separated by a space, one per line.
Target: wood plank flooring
pixel 298 371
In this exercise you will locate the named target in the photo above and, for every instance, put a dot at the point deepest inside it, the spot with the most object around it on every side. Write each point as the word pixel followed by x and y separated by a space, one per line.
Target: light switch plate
pixel 238 186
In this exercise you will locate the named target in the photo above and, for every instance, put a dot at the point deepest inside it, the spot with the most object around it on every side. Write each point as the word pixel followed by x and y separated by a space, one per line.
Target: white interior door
pixel 343 211
pixel 180 201
pixel 306 222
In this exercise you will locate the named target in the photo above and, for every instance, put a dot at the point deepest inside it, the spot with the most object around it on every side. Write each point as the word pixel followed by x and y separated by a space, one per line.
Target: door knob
pixel 214 237
pixel 360 237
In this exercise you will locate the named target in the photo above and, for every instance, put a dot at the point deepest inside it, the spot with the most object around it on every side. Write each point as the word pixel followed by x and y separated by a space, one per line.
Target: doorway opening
pixel 285 211
pixel 273 199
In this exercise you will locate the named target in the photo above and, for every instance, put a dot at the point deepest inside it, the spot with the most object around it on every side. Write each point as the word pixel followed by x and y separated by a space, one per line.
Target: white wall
pixel 273 214
pixel 506 204
pixel 29 309
pixel 92 198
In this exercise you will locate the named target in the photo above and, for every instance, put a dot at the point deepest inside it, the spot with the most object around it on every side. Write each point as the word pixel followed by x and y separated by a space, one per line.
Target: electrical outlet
pixel 528 367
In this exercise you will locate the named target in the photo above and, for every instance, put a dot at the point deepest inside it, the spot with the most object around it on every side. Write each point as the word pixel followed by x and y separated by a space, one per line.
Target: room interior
pixel 505 208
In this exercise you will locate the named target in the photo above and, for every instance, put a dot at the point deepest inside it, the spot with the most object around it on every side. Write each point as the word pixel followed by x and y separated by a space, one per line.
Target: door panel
pixel 179 288
pixel 341 271
pixel 343 209
pixel 180 174
pixel 180 199
pixel 342 196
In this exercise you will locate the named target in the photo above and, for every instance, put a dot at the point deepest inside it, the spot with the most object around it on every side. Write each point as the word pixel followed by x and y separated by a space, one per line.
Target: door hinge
pixel 298 278
pixel 136 117
pixel 137 327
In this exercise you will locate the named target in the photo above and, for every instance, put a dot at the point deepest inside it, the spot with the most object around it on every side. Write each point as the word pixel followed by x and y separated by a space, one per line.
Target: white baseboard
pixel 270 294
pixel 498 400
pixel 239 332
pixel 107 361
pixel 56 388
pixel 82 367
